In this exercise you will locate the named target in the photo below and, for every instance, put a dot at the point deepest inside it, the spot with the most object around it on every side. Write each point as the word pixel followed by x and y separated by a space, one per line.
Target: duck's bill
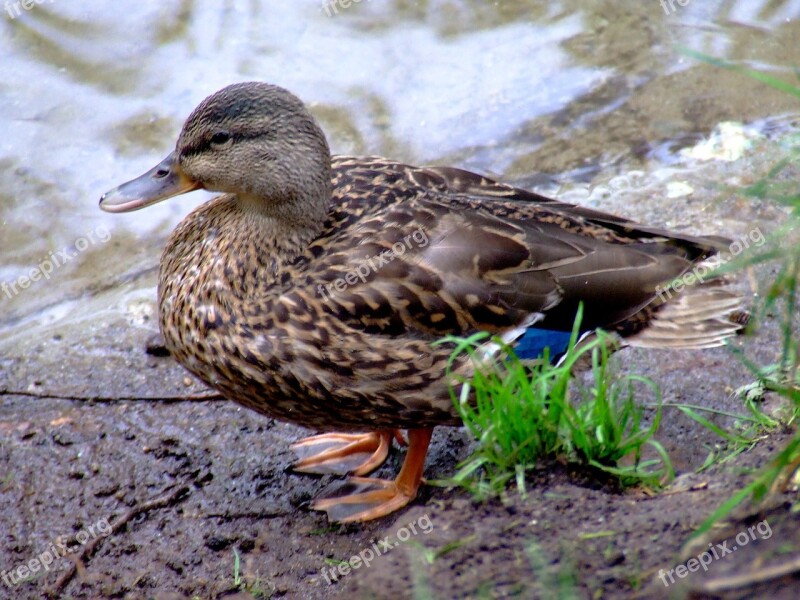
pixel 161 182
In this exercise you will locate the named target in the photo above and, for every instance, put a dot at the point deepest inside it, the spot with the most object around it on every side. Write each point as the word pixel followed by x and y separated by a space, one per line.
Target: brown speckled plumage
pixel 265 334
pixel 251 295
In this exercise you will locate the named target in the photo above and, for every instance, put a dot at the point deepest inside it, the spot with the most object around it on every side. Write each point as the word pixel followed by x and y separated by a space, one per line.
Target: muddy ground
pixel 102 434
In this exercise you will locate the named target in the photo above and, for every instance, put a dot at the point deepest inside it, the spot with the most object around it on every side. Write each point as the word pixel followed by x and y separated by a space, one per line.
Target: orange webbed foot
pixel 368 498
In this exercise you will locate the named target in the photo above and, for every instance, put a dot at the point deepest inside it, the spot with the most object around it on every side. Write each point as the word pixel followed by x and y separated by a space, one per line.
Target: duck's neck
pixel 287 227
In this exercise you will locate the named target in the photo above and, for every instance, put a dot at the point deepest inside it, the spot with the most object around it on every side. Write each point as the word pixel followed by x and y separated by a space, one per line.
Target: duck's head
pixel 254 140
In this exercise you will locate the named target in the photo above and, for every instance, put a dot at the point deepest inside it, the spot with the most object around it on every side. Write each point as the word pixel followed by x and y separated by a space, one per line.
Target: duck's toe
pixel 343 453
pixel 364 499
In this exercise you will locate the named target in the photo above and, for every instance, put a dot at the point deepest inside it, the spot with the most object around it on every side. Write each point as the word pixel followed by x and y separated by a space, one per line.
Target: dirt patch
pixel 186 486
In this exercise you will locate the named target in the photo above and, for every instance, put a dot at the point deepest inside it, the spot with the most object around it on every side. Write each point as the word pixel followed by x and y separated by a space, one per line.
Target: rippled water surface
pixel 590 101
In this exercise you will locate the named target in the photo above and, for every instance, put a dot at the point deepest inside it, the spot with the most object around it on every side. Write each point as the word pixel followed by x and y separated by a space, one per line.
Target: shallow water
pixel 587 101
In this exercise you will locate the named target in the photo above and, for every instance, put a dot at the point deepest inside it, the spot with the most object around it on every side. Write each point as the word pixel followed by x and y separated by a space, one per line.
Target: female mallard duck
pixel 314 289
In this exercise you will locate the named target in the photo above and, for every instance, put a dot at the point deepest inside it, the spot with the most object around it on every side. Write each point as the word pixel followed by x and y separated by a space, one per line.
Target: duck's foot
pixel 368 498
pixel 342 453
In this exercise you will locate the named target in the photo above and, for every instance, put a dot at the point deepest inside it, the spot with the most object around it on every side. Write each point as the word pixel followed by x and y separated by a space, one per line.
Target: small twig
pixel 695 487
pixel 101 399
pixel 91 546
pixel 247 515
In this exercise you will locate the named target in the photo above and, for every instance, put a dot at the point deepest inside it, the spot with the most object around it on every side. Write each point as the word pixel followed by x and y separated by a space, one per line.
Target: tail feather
pixel 702 316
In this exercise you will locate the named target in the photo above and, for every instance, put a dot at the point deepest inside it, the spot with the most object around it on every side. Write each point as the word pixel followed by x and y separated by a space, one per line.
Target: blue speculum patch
pixel 533 342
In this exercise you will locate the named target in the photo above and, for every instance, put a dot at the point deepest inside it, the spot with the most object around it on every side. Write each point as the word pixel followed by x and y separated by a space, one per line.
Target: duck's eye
pixel 220 138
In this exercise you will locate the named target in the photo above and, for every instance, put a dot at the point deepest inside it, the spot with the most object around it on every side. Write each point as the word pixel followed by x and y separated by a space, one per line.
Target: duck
pixel 317 288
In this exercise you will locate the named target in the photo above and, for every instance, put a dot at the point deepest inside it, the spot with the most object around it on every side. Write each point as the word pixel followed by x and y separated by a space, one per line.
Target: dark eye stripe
pixel 217 138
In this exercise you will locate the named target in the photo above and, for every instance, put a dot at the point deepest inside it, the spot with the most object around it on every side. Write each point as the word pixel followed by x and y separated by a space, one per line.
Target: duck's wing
pixel 353 176
pixel 459 181
pixel 445 263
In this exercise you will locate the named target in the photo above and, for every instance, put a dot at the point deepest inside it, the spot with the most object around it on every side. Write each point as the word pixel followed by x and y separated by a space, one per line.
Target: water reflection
pixel 557 93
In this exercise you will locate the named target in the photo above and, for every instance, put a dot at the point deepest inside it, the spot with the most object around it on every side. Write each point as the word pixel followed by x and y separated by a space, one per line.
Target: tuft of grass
pixel 237 577
pixel 246 584
pixel 521 412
